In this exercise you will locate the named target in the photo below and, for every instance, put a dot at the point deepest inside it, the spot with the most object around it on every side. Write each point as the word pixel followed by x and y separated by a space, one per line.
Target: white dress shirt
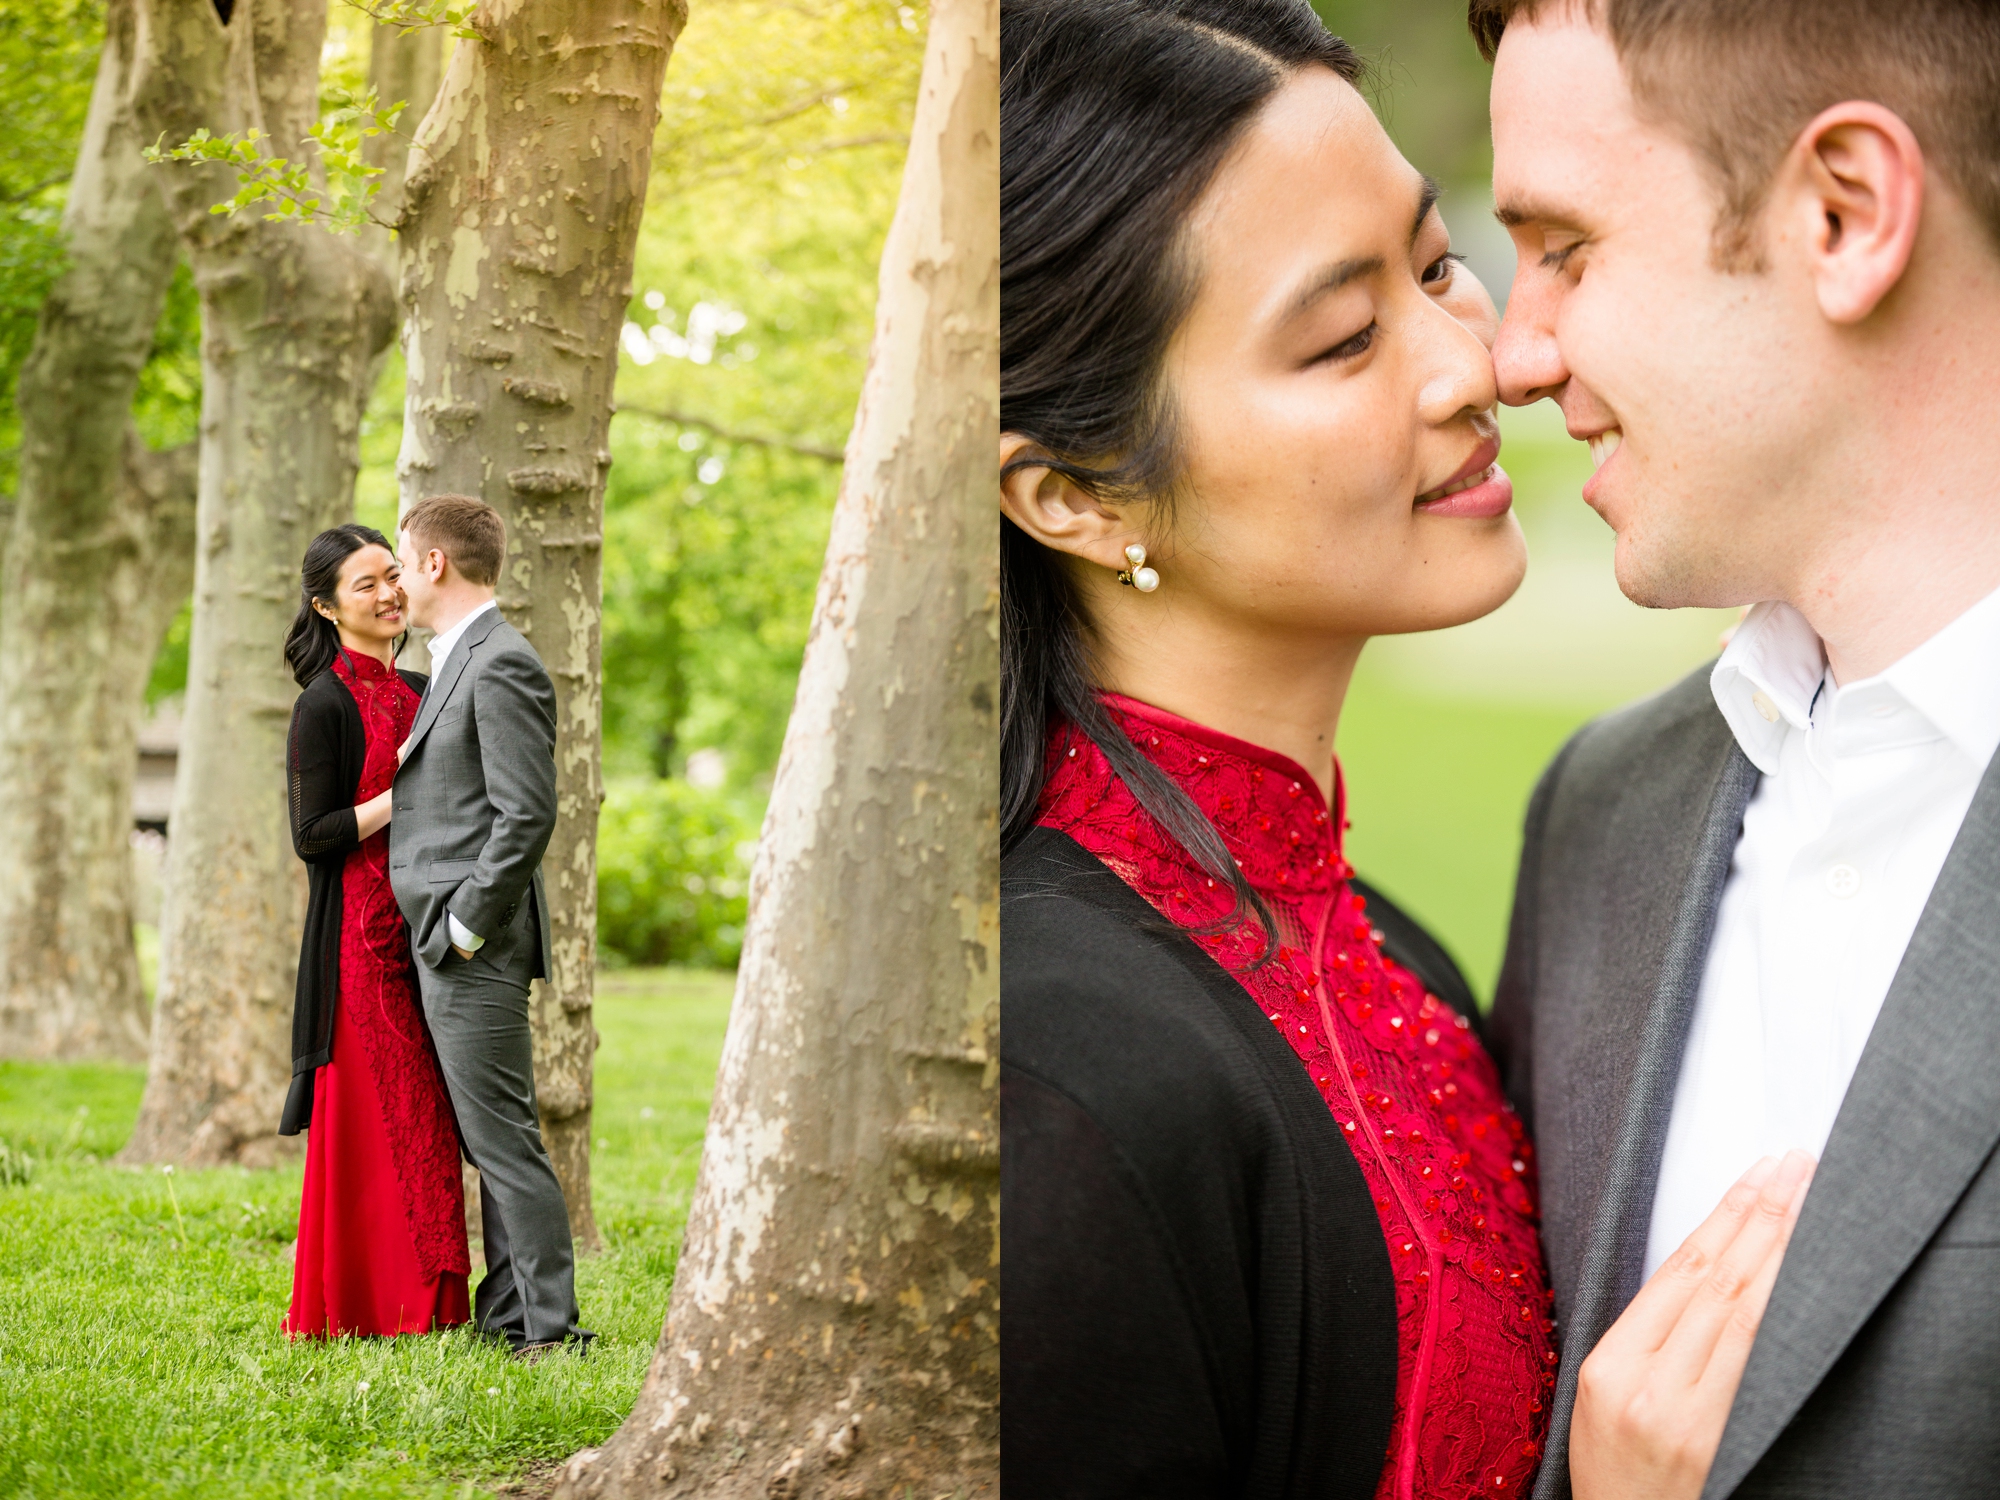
pixel 1863 791
pixel 441 647
pixel 444 640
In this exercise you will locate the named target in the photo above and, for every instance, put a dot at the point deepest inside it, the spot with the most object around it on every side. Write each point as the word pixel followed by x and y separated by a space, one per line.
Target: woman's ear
pixel 1857 183
pixel 1056 511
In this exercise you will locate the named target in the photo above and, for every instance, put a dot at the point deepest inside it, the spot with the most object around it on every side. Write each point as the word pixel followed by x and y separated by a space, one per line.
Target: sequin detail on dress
pixel 1414 1093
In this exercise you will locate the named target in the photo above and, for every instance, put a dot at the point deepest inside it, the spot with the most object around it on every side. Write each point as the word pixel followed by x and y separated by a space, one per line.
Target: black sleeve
pixel 1104 1384
pixel 322 795
pixel 1406 940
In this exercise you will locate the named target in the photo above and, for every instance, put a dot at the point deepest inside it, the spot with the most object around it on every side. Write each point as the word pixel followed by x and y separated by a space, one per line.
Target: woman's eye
pixel 1439 271
pixel 1359 344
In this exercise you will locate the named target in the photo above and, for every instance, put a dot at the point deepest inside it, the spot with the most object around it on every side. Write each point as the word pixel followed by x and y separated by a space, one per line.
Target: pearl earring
pixel 1138 575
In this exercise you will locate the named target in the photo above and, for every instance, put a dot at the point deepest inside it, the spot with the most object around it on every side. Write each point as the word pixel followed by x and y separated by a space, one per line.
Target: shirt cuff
pixel 461 937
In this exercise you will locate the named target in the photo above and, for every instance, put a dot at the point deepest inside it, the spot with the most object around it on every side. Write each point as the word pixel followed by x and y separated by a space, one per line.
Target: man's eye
pixel 1439 272
pixel 1359 344
pixel 1556 259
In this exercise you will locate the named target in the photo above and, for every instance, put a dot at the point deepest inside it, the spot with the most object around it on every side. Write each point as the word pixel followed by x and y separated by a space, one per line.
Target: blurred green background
pixel 1445 734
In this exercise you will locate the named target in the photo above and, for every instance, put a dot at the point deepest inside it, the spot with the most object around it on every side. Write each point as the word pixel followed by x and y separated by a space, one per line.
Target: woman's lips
pixel 1493 495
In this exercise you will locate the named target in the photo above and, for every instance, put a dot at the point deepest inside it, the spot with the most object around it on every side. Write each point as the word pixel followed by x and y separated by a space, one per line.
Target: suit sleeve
pixel 324 827
pixel 514 705
pixel 1510 1028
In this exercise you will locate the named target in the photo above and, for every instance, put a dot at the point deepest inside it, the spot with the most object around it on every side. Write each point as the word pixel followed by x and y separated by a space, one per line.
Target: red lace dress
pixel 381 1244
pixel 1412 1089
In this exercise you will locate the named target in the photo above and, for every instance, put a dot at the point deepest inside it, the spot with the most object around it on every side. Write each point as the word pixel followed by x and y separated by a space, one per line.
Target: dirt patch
pixel 536 1482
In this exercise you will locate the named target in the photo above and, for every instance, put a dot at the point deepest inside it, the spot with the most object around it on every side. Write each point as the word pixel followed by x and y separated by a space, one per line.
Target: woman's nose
pixel 1461 378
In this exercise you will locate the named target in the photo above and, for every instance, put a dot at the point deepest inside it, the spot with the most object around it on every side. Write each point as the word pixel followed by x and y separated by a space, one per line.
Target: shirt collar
pixel 1772 681
pixel 443 642
pixel 1766 679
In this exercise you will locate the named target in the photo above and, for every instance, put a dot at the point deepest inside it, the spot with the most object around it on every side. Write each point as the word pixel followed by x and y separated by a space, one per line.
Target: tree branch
pixel 28 192
pixel 753 439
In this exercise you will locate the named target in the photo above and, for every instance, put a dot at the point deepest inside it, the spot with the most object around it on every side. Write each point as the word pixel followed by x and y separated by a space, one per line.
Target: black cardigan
pixel 1198 1295
pixel 323 756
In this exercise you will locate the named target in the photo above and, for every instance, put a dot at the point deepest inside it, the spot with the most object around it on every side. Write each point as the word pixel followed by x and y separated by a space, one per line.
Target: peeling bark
pixel 403 66
pixel 291 317
pixel 521 215
pixel 834 1329
pixel 101 534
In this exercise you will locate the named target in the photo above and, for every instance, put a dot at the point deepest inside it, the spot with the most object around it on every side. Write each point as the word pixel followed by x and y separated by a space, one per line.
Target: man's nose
pixel 1527 362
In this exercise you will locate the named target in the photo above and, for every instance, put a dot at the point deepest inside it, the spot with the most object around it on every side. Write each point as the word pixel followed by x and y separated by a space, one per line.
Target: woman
pixel 1270 1220
pixel 381 1246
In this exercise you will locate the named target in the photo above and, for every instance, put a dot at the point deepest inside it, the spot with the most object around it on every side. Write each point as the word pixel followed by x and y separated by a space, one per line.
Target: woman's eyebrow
pixel 1332 278
pixel 1427 197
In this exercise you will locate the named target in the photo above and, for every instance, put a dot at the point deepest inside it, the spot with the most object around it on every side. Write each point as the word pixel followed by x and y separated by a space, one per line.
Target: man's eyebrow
pixel 1332 278
pixel 1516 212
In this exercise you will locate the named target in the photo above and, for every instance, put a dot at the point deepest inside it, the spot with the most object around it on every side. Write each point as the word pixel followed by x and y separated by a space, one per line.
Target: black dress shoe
pixel 531 1354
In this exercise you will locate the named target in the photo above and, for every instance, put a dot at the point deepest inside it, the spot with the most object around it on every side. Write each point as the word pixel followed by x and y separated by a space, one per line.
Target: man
pixel 475 802
pixel 1759 269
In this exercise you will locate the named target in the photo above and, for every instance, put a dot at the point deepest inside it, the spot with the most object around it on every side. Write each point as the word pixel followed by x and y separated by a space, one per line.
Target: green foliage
pixel 170 666
pixel 673 873
pixel 333 188
pixel 413 15
pixel 48 59
pixel 775 177
pixel 48 56
pixel 93 1269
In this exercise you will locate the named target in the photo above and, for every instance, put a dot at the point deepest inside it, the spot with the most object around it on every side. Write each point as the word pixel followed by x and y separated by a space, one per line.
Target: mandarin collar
pixel 364 667
pixel 1265 805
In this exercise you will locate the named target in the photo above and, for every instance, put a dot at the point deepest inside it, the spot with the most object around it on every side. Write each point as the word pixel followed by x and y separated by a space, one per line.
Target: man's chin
pixel 1652 579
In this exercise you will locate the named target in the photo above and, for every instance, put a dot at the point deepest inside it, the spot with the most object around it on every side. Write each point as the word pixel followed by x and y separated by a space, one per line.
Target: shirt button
pixel 1762 703
pixel 1843 881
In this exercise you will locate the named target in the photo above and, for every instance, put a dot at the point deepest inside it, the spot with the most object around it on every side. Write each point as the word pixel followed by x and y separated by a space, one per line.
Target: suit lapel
pixel 1920 1117
pixel 1614 1252
pixel 454 668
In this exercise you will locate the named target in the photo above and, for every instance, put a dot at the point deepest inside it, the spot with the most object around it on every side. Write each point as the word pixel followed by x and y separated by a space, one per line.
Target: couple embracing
pixel 1706 1204
pixel 422 806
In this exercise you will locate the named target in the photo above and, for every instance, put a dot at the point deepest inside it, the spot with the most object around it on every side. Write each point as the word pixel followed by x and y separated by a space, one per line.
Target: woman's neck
pixel 382 651
pixel 1284 695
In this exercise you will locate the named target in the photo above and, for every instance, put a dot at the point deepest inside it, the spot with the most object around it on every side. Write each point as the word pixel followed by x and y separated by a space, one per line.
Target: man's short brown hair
pixel 1739 79
pixel 469 532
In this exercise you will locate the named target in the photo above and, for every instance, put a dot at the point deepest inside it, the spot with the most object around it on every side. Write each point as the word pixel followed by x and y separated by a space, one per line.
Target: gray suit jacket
pixel 1877 1369
pixel 476 796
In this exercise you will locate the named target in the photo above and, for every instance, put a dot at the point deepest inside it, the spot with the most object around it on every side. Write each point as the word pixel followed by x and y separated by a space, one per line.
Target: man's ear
pixel 1856 180
pixel 1056 511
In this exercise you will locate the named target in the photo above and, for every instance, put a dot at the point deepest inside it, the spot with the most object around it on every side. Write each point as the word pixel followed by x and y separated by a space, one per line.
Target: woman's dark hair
pixel 314 640
pixel 1114 115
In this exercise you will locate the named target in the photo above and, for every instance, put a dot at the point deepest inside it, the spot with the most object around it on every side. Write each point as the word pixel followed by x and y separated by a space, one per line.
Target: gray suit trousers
pixel 478 1014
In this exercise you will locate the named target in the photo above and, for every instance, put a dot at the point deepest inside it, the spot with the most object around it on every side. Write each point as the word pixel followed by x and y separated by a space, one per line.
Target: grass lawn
pixel 139 1347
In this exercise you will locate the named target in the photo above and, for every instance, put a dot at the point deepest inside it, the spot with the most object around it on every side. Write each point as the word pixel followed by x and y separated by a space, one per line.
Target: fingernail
pixel 1760 1173
pixel 1794 1171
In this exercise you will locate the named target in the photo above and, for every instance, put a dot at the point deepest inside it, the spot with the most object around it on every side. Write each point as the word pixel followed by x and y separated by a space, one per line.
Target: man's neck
pixel 457 608
pixel 1899 594
pixel 1904 534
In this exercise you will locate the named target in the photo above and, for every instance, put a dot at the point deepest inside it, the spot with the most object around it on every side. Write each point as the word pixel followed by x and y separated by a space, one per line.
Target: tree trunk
pixel 75 643
pixel 517 243
pixel 403 67
pixel 291 316
pixel 834 1329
